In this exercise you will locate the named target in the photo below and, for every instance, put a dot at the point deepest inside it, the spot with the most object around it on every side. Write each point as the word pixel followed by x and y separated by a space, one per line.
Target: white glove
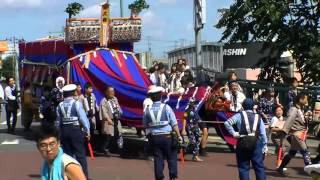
pixel 41 116
pixel 236 135
pixel 265 149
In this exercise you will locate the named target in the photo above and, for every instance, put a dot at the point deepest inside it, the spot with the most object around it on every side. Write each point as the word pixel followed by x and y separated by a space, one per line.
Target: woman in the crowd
pixel 267 104
pixel 232 76
pixel 181 69
pixel 191 127
pixel 174 79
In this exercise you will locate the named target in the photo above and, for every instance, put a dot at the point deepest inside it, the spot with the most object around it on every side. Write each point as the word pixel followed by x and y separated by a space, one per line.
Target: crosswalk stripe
pixel 6 142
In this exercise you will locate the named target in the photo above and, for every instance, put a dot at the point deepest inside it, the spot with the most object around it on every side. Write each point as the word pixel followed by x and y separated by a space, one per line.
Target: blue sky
pixel 169 23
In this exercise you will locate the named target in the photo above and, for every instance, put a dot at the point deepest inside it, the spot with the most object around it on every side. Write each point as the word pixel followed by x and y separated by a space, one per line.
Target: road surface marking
pixel 5 122
pixel 16 141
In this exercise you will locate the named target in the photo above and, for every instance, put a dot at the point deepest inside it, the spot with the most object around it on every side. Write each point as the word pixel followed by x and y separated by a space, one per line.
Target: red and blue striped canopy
pixel 106 67
pixel 55 52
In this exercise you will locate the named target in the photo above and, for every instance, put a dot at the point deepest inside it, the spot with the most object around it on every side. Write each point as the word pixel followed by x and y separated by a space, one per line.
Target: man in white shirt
pixel 1 93
pixel 1 96
pixel 235 97
pixel 12 105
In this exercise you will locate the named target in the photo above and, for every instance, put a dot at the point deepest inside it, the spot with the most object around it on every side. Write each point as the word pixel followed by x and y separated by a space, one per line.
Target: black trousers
pixel 72 140
pixel 11 112
pixel 162 149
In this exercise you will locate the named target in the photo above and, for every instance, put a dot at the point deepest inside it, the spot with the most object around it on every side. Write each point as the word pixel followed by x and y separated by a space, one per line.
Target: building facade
pixel 212 56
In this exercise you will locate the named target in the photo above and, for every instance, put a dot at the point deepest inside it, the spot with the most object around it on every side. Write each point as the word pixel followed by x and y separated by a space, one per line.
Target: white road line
pixel 6 142
pixel 5 122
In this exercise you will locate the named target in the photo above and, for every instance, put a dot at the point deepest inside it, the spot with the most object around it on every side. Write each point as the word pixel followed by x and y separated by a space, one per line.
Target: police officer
pixel 70 119
pixel 160 121
pixel 252 140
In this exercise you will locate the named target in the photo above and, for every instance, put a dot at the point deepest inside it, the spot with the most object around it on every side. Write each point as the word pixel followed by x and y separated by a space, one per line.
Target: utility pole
pixel 121 8
pixel 149 49
pixel 15 63
pixel 199 20
pixel 199 17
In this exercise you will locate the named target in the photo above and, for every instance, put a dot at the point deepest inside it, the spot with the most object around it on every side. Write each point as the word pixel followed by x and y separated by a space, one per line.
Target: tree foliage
pixel 283 25
pixel 73 9
pixel 139 5
pixel 7 67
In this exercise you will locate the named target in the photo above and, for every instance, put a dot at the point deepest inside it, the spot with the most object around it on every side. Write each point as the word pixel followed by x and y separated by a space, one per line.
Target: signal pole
pixel 121 8
pixel 199 17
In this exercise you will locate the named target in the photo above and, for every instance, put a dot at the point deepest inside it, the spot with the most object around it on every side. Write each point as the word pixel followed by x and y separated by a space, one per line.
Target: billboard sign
pixel 3 46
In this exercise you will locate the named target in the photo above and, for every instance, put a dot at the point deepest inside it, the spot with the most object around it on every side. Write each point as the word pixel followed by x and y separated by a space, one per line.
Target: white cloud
pixel 147 17
pixel 153 25
pixel 20 3
pixel 91 11
pixel 166 1
pixel 95 10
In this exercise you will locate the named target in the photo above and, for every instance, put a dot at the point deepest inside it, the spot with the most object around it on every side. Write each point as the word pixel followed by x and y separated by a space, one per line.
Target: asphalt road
pixel 20 160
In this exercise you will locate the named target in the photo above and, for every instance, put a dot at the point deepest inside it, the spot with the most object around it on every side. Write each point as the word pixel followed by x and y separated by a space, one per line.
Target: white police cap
pixel 155 89
pixel 69 88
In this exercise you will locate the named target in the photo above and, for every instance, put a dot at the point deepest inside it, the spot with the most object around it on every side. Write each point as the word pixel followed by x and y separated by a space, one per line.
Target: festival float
pixel 101 51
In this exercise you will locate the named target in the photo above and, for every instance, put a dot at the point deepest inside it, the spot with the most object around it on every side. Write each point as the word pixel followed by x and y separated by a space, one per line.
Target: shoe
pixel 103 152
pixel 282 171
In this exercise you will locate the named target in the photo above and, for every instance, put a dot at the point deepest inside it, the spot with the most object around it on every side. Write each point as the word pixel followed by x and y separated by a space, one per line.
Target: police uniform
pixel 71 118
pixel 159 120
pixel 193 130
pixel 249 124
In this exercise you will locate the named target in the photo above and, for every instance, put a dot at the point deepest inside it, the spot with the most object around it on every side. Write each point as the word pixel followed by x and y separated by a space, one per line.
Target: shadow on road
pixel 300 171
pixel 28 135
pixel 34 176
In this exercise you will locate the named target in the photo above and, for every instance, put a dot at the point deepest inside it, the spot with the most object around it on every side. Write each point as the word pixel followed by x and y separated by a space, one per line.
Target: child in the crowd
pixel 276 126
